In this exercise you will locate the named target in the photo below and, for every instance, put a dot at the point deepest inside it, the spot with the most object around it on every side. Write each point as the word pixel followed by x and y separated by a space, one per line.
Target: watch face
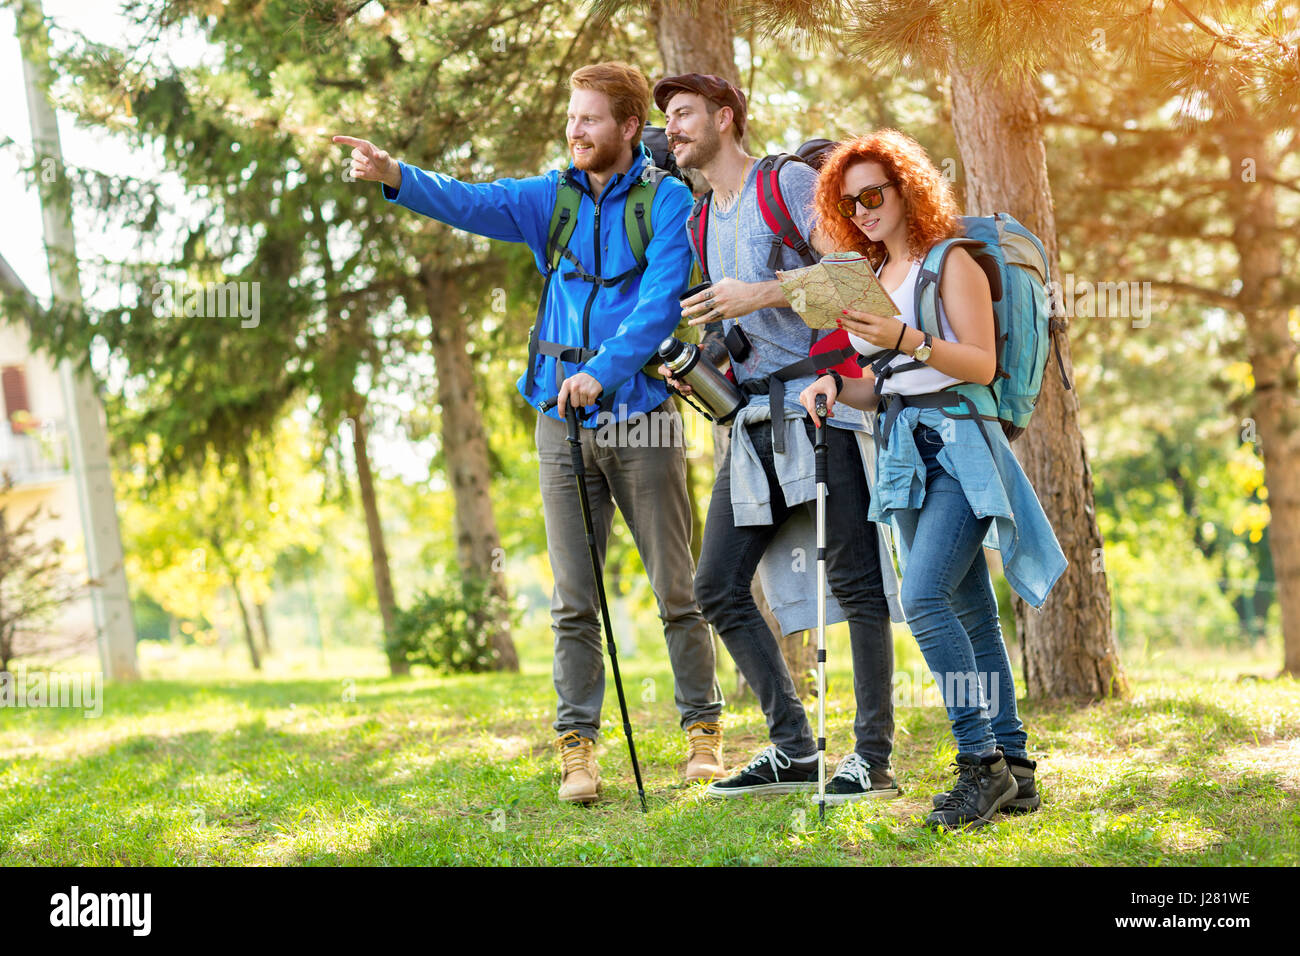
pixel 922 353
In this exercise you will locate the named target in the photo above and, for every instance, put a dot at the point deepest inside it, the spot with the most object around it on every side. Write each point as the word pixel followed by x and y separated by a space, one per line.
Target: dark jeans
pixel 948 598
pixel 729 559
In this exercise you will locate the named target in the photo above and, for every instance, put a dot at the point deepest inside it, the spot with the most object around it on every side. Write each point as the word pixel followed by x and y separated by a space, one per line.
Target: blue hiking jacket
pixel 626 327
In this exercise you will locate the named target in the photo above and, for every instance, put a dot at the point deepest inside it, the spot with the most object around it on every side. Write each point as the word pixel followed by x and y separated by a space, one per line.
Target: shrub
pixel 450 627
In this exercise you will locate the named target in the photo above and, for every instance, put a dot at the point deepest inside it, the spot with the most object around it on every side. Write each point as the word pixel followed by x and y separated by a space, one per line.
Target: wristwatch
pixel 922 352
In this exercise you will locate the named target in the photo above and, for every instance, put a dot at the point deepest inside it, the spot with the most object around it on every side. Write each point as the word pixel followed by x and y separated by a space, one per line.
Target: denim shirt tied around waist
pixel 994 484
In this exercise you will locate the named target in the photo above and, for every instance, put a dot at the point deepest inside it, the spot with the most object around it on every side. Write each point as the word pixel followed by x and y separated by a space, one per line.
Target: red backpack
pixel 833 350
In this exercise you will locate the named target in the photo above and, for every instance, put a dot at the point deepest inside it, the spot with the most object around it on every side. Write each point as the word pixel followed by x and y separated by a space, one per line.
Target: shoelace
pixel 966 784
pixel 705 743
pixel 572 758
pixel 854 768
pixel 773 758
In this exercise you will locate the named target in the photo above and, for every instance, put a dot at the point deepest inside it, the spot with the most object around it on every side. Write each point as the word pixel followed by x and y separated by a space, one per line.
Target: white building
pixel 34 455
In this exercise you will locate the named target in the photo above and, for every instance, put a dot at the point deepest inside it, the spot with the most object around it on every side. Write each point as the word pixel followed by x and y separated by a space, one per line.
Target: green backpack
pixel 639 228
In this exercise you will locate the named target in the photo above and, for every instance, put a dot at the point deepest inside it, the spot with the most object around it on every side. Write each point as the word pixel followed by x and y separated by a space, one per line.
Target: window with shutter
pixel 13 382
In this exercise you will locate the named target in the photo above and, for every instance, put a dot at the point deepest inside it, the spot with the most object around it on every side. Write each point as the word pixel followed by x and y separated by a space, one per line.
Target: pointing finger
pixel 362 144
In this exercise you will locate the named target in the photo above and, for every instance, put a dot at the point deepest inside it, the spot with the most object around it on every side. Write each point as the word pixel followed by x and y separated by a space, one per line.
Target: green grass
pixel 199 764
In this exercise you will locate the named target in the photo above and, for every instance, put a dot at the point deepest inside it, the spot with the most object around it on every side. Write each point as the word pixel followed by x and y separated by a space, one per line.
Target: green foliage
pixel 152 622
pixel 35 585
pixel 1167 396
pixel 447 628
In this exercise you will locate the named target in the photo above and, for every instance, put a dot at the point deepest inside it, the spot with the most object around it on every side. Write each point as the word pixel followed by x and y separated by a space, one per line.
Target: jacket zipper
pixel 591 299
pixel 595 287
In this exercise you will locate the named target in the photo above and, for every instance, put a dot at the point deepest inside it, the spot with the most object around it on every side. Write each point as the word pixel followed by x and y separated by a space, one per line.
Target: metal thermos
pixel 717 393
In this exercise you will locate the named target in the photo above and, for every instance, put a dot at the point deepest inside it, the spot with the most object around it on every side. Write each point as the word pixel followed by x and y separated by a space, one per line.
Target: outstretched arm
pixel 513 210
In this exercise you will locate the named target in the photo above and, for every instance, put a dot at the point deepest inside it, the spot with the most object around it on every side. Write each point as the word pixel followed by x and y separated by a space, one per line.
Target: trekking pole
pixel 580 470
pixel 819 458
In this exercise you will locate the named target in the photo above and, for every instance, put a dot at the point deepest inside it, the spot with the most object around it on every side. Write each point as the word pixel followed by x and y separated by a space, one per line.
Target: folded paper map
pixel 842 280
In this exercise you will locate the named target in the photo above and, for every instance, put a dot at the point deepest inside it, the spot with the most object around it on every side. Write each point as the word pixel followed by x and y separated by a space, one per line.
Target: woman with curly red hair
pixel 942 480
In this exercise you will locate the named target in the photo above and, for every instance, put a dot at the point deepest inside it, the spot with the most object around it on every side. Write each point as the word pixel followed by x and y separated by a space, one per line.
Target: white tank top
pixel 917 381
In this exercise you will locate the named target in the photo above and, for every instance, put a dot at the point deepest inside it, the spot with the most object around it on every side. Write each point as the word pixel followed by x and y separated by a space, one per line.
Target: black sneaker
pixel 1027 799
pixel 770 772
pixel 984 786
pixel 855 780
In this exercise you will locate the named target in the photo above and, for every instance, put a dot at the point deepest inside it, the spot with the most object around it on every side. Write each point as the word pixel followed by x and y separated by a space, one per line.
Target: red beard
pixel 601 157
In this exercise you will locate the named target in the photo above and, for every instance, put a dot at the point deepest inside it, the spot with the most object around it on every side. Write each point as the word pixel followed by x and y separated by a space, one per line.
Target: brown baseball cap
pixel 711 87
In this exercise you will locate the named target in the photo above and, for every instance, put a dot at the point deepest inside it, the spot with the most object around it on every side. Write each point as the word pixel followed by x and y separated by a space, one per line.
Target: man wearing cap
pixel 604 311
pixel 766 479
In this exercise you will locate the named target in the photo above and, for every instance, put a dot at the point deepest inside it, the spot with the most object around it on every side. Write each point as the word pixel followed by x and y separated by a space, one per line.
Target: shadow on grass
pixel 1185 728
pixel 483 693
pixel 459 770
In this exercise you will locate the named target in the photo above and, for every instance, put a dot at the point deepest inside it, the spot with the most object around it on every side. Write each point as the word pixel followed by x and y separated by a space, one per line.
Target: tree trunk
pixel 253 655
pixel 83 409
pixel 1272 353
pixel 397 665
pixel 263 627
pixel 1068 646
pixel 465 447
pixel 695 42
pixel 702 41
pixel 233 575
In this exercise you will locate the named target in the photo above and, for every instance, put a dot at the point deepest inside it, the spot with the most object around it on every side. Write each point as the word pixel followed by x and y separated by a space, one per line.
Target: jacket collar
pixel 641 160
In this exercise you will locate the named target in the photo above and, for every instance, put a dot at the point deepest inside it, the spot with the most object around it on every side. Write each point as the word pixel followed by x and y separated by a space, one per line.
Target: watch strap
pixel 925 344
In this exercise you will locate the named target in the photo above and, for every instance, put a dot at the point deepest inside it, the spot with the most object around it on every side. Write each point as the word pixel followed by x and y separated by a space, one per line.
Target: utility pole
pixel 87 428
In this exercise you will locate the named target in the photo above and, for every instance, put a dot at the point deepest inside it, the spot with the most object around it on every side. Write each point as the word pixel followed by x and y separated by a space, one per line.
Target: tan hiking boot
pixel 579 775
pixel 704 738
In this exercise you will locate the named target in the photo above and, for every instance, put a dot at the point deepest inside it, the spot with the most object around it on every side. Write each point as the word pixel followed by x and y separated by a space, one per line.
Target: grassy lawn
pixel 334 763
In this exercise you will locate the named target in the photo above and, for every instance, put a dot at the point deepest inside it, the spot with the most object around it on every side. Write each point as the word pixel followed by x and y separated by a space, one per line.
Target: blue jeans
pixel 947 596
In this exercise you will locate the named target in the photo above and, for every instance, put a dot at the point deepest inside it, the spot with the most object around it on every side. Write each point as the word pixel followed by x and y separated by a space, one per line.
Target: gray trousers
pixel 647 481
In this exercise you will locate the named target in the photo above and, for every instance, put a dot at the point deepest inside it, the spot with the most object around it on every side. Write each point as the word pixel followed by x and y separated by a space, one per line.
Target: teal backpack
pixel 1019 277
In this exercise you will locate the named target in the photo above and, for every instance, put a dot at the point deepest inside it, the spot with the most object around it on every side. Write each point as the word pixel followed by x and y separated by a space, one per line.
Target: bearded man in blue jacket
pixel 602 318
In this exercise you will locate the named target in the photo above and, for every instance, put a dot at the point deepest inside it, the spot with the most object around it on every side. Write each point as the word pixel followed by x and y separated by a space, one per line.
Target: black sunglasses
pixel 871 198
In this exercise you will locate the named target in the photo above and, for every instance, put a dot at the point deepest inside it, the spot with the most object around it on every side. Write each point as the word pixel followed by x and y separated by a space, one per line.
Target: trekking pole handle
pixel 571 419
pixel 819 438
pixel 819 441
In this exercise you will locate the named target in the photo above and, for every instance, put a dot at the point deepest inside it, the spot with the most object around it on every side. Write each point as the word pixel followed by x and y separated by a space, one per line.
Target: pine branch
pixel 1292 184
pixel 13 285
pixel 1204 27
pixel 1096 126
pixel 1213 296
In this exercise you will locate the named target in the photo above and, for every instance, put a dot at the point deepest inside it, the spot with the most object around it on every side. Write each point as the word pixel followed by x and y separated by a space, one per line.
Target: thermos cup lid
pixel 670 348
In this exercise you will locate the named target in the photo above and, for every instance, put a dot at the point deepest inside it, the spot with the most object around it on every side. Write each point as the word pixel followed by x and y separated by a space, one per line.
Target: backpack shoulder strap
pixel 775 212
pixel 926 302
pixel 697 225
pixel 927 293
pixel 564 219
pixel 637 221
